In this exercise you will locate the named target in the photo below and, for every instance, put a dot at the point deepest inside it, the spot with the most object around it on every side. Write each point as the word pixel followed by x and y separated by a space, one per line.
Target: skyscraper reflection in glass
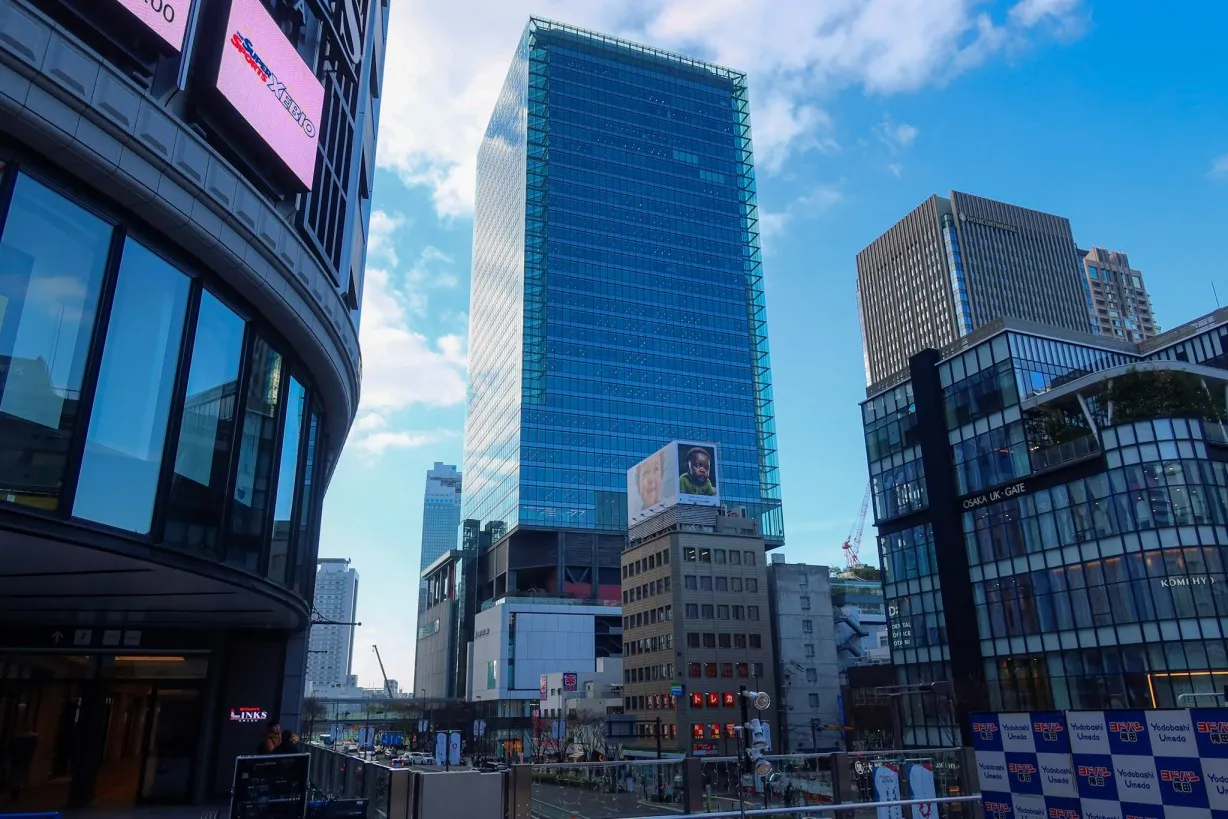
pixel 617 294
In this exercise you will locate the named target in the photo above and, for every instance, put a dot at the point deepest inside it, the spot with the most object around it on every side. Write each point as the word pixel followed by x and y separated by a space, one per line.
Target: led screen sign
pixel 269 85
pixel 166 18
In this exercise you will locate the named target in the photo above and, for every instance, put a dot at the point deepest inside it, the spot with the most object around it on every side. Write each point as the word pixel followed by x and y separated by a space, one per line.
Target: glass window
pixel 735 583
pixel 739 641
pixel 722 584
pixel 689 582
pixel 724 640
pixel 692 639
pixel 705 555
pixel 287 482
pixel 735 558
pixel 692 669
pixel 752 585
pixel 705 584
pixel 692 610
pixel 206 433
pixel 709 640
pixel 722 612
pixel 718 556
pixel 752 612
pixel 250 501
pixel 52 258
pixel 136 383
pixel 756 641
pixel 706 608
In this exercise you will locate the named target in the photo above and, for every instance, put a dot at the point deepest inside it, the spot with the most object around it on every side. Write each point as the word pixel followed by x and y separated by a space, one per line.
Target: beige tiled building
pixel 696 628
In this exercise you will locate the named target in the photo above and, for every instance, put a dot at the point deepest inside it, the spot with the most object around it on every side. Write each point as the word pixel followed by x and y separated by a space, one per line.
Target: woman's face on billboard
pixel 649 479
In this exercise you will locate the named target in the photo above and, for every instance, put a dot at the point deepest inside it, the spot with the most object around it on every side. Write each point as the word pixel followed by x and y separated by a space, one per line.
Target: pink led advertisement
pixel 166 18
pixel 271 87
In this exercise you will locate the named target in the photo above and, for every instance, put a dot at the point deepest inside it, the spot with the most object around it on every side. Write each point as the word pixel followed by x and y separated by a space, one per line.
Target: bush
pixel 1143 395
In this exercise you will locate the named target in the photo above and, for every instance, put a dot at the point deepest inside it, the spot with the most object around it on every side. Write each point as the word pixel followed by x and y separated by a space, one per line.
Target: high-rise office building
pixel 441 506
pixel 182 247
pixel 955 264
pixel 331 649
pixel 1120 305
pixel 617 302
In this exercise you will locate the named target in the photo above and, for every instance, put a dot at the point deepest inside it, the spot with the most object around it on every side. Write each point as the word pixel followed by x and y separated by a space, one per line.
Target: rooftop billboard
pixel 681 472
pixel 269 85
pixel 166 18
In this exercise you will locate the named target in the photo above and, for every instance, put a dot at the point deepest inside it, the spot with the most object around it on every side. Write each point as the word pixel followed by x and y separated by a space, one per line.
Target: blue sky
pixel 1108 113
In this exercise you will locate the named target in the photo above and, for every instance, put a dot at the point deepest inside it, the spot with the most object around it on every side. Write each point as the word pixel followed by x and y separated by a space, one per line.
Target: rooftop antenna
pixel 1216 294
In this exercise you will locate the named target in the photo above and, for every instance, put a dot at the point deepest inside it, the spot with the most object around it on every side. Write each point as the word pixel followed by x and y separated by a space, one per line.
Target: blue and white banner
pixel 1170 764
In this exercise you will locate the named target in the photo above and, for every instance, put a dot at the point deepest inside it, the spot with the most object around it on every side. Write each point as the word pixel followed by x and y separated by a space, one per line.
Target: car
pixel 421 758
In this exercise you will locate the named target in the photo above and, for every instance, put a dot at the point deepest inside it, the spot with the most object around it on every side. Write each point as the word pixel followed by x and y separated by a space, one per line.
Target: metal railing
pixel 1052 456
pixel 799 784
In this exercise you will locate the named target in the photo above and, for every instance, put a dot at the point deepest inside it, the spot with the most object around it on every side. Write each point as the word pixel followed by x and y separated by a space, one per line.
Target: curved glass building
pixel 184 194
pixel 1052 512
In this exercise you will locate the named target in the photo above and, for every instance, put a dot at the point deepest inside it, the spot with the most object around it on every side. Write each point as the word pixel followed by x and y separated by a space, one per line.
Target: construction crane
pixel 383 673
pixel 852 543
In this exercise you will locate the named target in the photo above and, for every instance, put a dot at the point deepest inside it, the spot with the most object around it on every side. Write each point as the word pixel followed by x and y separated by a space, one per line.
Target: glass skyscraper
pixel 441 505
pixel 617 295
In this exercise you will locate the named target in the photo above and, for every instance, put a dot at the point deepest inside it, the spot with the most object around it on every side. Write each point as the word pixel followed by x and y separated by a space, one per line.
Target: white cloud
pixel 820 200
pixel 1028 13
pixel 447 62
pixel 380 246
pixel 896 169
pixel 377 443
pixel 896 137
pixel 402 367
pixel 1219 167
pixel 773 224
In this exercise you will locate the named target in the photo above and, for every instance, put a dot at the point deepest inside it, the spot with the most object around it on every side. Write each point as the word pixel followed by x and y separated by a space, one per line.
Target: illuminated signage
pixel 569 681
pixel 166 18
pixel 270 86
pixel 248 714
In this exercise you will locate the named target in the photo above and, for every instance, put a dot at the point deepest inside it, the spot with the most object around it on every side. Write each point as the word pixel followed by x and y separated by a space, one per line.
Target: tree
pixel 313 712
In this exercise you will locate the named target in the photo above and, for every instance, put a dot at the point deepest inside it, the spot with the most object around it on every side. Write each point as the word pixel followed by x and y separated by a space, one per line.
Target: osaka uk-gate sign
pixel 1103 764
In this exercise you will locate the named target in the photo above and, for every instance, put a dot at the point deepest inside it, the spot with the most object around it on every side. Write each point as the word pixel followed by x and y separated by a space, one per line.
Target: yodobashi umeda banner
pixel 270 86
pixel 166 18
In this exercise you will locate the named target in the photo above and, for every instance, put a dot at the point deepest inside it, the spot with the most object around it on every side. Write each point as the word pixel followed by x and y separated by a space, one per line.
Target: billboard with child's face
pixel 680 472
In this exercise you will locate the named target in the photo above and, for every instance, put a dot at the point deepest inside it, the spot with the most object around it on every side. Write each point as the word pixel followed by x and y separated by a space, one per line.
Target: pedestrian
pixel 272 738
pixel 289 743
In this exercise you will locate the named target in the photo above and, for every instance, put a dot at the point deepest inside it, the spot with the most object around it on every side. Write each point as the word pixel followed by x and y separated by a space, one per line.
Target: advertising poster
pixel 681 472
pixel 569 681
pixel 887 789
pixel 441 748
pixel 267 83
pixel 454 748
pixel 921 785
pixel 1164 764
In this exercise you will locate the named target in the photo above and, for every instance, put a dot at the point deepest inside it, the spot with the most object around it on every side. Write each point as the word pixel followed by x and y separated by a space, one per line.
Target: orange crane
pixel 852 543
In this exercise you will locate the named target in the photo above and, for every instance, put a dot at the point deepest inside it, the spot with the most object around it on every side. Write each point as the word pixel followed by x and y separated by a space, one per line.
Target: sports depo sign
pixel 270 86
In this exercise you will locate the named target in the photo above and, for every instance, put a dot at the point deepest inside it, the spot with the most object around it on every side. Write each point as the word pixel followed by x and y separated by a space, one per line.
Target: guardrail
pixel 816 809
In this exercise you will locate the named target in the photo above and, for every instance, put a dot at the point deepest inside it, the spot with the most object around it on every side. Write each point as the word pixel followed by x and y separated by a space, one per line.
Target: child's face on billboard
pixel 701 467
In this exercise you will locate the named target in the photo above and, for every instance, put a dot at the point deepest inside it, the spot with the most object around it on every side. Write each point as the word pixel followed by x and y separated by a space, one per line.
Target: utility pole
pixel 660 781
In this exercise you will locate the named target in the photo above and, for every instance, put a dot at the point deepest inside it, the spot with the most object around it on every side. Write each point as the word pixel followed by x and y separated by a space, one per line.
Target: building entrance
pixel 105 731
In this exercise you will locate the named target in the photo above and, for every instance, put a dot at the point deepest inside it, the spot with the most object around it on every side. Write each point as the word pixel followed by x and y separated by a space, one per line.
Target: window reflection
pixel 206 434
pixel 287 480
pixel 52 259
pixel 257 445
pixel 127 432
pixel 305 562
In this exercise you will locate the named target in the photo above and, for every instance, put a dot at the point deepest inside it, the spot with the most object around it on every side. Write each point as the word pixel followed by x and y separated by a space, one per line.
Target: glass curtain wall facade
pixel 1094 557
pixel 141 400
pixel 617 284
